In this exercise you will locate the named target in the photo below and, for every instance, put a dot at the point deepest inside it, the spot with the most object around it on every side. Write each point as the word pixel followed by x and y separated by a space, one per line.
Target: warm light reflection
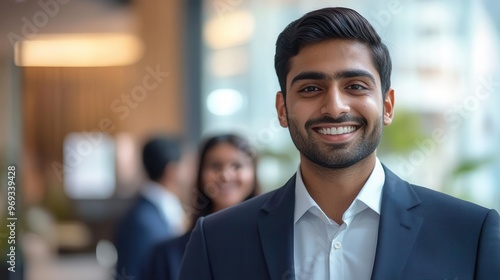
pixel 128 165
pixel 79 50
pixel 234 29
pixel 230 62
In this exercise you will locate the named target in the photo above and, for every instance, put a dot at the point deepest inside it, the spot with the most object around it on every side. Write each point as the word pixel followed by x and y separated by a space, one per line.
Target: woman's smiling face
pixel 228 175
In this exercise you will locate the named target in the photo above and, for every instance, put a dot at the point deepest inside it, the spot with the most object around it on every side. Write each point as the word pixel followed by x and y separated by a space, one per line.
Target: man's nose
pixel 335 103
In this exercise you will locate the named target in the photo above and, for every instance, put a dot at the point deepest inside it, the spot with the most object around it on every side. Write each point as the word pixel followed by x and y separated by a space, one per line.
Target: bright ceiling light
pixel 224 102
pixel 79 50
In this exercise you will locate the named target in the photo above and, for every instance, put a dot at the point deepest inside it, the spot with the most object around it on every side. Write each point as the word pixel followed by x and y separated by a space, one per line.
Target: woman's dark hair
pixel 326 24
pixel 203 202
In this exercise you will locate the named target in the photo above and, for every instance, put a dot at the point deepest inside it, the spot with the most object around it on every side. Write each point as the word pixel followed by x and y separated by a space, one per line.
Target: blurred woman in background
pixel 226 176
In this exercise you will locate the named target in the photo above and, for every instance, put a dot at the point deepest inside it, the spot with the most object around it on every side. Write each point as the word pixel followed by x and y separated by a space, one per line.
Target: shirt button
pixel 337 245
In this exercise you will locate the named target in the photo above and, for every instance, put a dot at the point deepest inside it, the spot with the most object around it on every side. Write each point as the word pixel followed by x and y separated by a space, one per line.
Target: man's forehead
pixel 322 57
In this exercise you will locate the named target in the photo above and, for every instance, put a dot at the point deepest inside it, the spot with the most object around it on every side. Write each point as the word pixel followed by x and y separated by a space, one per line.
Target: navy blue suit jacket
pixel 141 228
pixel 165 259
pixel 423 234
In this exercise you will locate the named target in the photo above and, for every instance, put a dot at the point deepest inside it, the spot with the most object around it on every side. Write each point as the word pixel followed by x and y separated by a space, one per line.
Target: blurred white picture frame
pixel 90 166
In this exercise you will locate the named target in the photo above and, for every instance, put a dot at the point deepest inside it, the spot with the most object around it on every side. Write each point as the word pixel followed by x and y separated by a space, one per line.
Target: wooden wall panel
pixel 57 101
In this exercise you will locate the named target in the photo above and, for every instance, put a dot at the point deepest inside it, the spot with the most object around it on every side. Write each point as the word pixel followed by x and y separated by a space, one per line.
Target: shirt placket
pixel 336 260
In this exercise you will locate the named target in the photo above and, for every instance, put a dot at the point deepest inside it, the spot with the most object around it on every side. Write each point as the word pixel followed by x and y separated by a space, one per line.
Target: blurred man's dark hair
pixel 157 153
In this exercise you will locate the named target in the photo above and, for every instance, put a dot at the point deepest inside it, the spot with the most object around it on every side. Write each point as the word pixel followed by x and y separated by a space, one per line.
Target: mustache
pixel 327 119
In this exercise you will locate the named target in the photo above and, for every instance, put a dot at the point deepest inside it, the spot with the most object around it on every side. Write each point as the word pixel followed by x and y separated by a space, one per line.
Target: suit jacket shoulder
pixel 252 240
pixel 425 234
pixel 234 216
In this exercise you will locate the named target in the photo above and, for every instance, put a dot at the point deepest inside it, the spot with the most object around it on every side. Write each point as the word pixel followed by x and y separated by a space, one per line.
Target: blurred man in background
pixel 157 214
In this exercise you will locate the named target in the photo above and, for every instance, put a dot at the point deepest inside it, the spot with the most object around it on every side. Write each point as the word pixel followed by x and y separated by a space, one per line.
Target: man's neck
pixel 335 189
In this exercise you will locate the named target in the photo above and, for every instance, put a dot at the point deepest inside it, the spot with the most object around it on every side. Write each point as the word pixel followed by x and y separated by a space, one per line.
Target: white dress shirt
pixel 324 249
pixel 168 204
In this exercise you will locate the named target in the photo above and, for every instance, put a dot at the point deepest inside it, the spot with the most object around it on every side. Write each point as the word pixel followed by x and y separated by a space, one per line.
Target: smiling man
pixel 343 215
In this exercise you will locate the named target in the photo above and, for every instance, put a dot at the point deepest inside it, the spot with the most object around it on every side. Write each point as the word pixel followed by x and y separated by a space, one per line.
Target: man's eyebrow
pixel 337 76
pixel 310 76
pixel 354 73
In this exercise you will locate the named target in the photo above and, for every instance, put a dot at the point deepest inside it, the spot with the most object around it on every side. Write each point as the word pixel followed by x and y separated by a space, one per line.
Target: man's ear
pixel 389 107
pixel 281 109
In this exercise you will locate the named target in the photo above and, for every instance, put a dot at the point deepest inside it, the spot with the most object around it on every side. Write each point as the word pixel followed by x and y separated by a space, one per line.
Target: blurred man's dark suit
pixel 141 228
pixel 165 259
pixel 423 234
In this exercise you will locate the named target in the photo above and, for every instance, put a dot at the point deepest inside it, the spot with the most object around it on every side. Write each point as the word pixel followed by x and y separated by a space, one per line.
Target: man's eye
pixel 356 87
pixel 310 89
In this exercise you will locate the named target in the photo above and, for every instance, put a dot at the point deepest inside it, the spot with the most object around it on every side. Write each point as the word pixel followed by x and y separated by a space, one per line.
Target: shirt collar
pixel 371 193
pixel 156 192
pixel 369 196
pixel 303 200
pixel 167 203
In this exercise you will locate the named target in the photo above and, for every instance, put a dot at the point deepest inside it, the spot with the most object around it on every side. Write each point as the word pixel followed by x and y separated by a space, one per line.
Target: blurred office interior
pixel 84 82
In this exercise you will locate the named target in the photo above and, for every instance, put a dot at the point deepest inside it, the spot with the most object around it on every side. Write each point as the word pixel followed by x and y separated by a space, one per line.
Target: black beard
pixel 335 156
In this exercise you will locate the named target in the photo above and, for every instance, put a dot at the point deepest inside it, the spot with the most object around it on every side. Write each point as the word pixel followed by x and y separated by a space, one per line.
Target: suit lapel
pixel 276 231
pixel 398 228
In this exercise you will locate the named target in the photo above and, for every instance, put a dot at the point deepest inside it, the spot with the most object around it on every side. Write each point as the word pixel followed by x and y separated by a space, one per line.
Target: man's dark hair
pixel 157 153
pixel 326 24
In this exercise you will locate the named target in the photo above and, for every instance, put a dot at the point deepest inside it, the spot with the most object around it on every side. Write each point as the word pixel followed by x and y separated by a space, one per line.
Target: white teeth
pixel 337 130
